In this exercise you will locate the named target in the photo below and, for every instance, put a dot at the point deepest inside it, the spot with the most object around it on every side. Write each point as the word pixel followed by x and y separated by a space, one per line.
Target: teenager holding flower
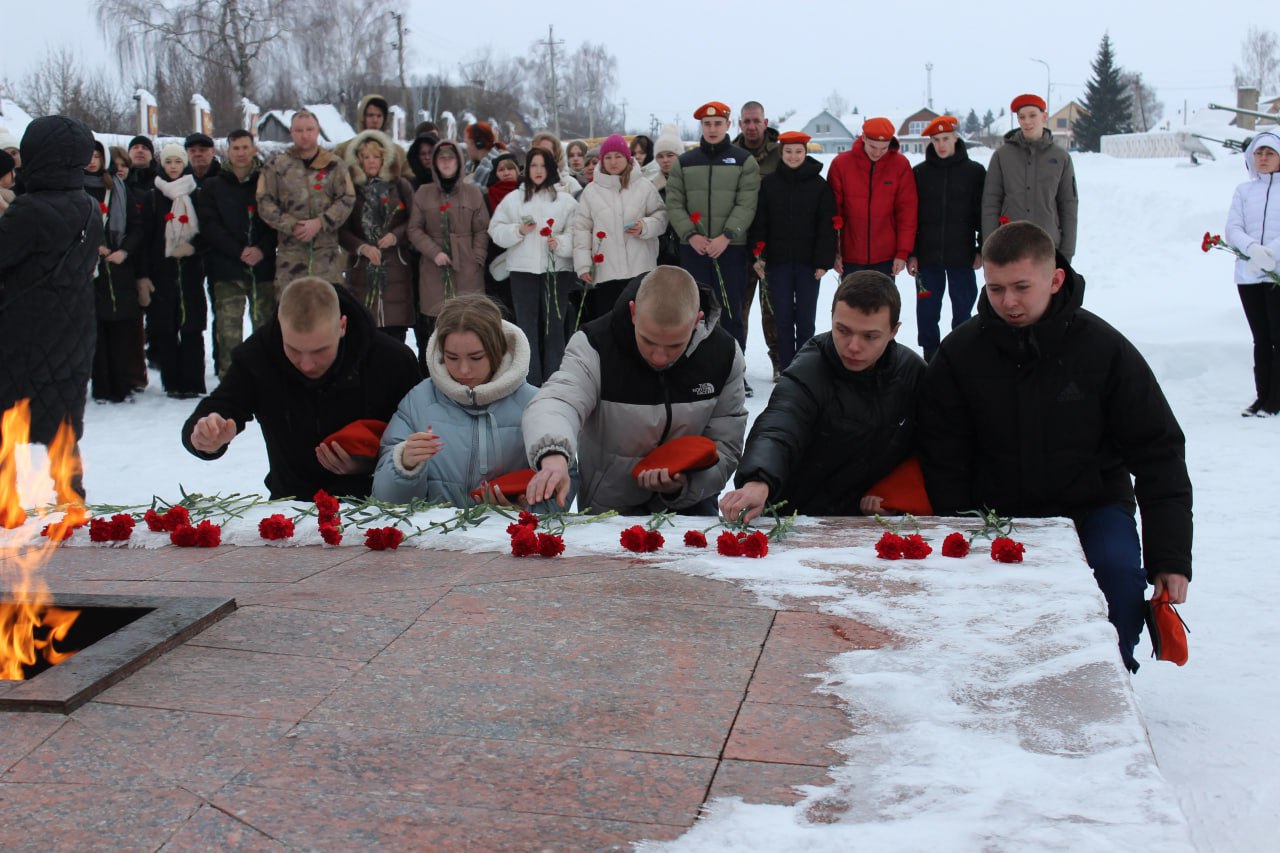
pixel 448 228
pixel 460 427
pixel 625 208
pixel 796 241
pixel 171 278
pixel 532 224
pixel 115 290
pixel 1247 230
pixel 374 235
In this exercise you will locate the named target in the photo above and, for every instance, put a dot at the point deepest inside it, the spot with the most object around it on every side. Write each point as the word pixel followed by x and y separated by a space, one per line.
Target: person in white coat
pixel 1253 228
pixel 532 224
pixel 623 206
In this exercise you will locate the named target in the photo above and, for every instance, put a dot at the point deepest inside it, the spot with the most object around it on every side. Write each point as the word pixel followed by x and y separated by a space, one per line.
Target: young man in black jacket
pixel 841 416
pixel 319 367
pixel 1038 408
pixel 241 258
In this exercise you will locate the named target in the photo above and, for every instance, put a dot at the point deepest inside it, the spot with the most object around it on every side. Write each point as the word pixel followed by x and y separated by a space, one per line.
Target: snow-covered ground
pixel 1211 722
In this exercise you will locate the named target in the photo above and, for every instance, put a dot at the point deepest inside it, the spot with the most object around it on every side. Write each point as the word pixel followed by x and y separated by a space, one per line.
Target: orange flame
pixel 29 625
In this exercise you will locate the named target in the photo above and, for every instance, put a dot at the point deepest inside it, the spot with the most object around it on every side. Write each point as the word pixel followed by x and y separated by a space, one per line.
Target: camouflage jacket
pixel 289 191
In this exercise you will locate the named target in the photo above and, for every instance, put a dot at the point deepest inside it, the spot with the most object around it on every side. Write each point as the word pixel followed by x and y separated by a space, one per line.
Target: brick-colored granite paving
pixel 427 700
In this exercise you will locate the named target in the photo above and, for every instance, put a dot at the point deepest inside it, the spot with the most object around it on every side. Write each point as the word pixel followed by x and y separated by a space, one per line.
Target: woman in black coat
pixel 49 240
pixel 115 291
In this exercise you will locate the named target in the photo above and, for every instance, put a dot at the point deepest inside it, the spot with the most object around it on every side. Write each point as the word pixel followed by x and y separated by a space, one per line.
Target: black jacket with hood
pixel 793 217
pixel 228 211
pixel 1054 419
pixel 49 240
pixel 370 376
pixel 829 433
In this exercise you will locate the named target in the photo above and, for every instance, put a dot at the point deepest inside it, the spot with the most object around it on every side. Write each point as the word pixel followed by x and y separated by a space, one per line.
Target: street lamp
pixel 1048 84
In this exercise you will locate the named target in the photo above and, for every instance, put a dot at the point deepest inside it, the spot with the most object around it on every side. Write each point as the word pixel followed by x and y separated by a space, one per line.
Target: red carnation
pixel 330 532
pixel 208 534
pixel 400 205
pixel 600 235
pixel 695 539
pixel 184 536
pixel 728 545
pixel 317 186
pixel 1003 220
pixel 118 528
pixel 837 222
pixel 545 232
pixel 524 542
pixel 759 249
pixel 756 545
pixel 550 545
pixel 955 545
pixel 550 222
pixel 445 207
pixel 326 504
pixel 184 219
pixel 252 210
pixel 99 530
pixel 527 518
pixel 924 294
pixel 63 532
pixel 695 217
pixel 275 527
pixel 382 538
pixel 653 540
pixel 102 205
pixel 169 521
pixel 168 217
pixel 915 548
pixel 1006 550
pixel 154 522
pixel 386 200
pixel 890 546
pixel 597 258
pixel 633 539
pixel 1207 243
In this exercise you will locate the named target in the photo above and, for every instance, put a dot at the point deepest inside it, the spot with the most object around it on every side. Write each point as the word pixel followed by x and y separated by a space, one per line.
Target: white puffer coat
pixel 528 252
pixel 606 206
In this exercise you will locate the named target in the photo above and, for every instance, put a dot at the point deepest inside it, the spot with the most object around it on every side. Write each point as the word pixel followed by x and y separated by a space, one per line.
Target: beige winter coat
pixel 606 206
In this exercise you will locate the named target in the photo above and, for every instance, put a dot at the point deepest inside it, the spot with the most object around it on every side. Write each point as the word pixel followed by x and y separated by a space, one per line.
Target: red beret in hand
pixel 680 455
pixel 902 489
pixel 360 438
pixel 1167 630
pixel 513 485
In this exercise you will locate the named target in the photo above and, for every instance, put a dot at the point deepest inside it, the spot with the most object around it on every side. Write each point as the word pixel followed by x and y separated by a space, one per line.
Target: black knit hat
pixel 6 162
pixel 144 141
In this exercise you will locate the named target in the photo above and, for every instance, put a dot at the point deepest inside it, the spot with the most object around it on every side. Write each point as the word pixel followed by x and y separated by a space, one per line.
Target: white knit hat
pixel 173 149
pixel 7 139
pixel 669 141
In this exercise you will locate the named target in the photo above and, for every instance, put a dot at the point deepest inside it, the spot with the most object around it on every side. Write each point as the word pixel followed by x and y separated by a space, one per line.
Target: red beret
pixel 794 137
pixel 902 489
pixel 1029 101
pixel 942 124
pixel 512 485
pixel 711 108
pixel 360 438
pixel 686 453
pixel 879 129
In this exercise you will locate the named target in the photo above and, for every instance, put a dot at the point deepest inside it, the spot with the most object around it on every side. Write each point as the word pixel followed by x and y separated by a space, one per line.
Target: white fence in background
pixel 1143 145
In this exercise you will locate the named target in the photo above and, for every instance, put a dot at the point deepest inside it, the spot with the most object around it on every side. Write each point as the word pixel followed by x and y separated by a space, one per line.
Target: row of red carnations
pixel 914 547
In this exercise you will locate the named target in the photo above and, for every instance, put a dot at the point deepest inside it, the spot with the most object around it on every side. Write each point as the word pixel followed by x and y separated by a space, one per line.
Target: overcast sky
pixel 788 55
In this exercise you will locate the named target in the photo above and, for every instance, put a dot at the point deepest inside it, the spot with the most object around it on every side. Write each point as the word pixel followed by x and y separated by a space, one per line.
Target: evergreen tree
pixel 1108 102
pixel 972 124
pixel 988 119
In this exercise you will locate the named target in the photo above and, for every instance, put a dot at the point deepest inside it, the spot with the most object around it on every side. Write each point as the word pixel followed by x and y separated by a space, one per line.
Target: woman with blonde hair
pixel 375 234
pixel 460 428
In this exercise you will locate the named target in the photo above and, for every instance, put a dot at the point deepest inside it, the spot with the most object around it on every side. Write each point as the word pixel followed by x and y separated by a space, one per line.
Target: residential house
pixel 910 134
pixel 274 125
pixel 828 133
pixel 1062 124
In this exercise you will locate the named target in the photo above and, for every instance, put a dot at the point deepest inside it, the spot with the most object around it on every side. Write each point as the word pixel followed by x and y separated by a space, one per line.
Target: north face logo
pixel 1070 394
pixel 731 161
pixel 706 389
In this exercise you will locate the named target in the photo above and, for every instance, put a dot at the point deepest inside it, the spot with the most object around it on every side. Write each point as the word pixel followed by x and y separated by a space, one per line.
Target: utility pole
pixel 550 44
pixel 928 78
pixel 624 115
pixel 399 46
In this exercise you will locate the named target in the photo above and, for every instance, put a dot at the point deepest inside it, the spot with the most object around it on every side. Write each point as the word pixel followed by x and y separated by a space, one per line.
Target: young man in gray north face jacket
pixel 656 368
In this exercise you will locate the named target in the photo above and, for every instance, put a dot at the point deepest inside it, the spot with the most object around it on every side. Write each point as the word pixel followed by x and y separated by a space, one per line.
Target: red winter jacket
pixel 877 202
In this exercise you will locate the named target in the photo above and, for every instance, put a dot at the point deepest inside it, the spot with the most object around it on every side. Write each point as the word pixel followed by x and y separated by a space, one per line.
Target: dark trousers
pixel 733 272
pixel 768 322
pixel 540 315
pixel 1262 310
pixel 1109 536
pixel 602 297
pixel 964 293
pixel 177 337
pixel 115 357
pixel 794 293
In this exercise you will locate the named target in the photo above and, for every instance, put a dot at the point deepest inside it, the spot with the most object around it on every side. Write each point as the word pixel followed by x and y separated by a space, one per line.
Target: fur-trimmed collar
pixel 390 162
pixel 508 378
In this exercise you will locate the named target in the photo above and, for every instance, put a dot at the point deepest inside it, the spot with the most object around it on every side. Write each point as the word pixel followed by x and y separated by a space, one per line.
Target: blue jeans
pixel 733 268
pixel 964 293
pixel 793 292
pixel 1109 536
